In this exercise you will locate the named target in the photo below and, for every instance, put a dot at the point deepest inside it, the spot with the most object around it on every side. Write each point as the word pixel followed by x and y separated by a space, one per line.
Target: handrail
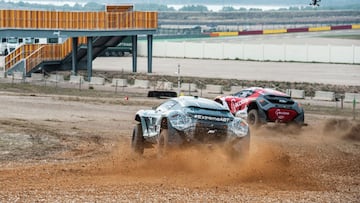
pixel 51 52
pixel 70 20
pixel 20 53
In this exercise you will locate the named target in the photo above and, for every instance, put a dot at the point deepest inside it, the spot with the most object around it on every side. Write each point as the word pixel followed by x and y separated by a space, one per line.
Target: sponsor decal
pixel 211 118
pixel 281 114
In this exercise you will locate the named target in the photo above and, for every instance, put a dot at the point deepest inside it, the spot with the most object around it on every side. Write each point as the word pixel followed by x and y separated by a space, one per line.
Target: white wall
pixel 261 52
pixel 296 53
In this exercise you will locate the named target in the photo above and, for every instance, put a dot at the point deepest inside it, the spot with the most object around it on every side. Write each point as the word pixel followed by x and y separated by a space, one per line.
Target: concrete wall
pixel 261 52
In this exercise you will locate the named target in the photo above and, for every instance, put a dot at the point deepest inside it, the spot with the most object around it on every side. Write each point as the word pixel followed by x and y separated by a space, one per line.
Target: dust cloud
pixel 280 157
pixel 202 166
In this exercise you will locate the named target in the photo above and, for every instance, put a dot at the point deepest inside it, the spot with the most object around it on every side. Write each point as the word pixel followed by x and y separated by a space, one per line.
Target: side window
pixel 20 40
pixel 244 93
pixel 3 40
pixel 53 40
pixel 240 94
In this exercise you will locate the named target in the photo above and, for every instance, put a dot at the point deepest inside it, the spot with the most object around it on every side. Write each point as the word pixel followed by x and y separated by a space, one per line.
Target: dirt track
pixel 77 149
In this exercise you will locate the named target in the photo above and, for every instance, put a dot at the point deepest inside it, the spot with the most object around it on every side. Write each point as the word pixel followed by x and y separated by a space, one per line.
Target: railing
pixel 61 20
pixel 34 54
pixel 19 54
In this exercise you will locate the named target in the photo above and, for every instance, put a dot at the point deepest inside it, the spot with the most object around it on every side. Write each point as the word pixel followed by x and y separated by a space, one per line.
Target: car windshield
pixel 166 105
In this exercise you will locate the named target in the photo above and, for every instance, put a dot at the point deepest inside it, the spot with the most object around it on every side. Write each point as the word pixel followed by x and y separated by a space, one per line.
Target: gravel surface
pixel 77 150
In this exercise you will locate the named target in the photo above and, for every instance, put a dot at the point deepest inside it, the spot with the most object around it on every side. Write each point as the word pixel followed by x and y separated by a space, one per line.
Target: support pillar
pixel 149 50
pixel 134 53
pixel 74 69
pixel 89 57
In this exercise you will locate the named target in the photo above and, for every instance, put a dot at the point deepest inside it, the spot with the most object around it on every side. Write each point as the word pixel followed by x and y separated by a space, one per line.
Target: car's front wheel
pixel 254 118
pixel 163 142
pixel 137 140
pixel 239 149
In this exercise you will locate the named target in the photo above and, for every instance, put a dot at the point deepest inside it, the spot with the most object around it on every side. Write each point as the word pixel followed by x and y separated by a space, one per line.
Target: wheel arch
pixel 164 123
pixel 252 105
pixel 137 118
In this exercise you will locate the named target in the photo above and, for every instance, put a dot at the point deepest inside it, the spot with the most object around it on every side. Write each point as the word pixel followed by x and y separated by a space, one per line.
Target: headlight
pixel 239 127
pixel 180 121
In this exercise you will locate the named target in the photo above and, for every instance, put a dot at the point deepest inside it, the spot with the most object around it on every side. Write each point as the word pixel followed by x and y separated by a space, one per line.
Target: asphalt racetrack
pixel 340 74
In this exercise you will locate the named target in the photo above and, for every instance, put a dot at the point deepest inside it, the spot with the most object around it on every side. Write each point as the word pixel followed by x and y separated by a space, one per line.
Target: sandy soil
pixel 64 148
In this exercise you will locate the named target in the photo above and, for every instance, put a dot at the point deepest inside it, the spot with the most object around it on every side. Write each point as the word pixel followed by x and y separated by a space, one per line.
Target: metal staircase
pixel 46 57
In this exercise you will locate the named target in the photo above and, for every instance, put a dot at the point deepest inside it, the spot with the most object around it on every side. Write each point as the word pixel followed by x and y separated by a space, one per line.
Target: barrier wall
pixel 142 83
pixel 97 81
pixel 215 89
pixel 324 96
pixel 349 97
pixel 56 78
pixel 260 52
pixel 76 79
pixel 119 82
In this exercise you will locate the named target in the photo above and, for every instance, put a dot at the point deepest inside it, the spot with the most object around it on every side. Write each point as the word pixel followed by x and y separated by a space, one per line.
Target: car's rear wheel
pixel 254 118
pixel 137 140
pixel 163 143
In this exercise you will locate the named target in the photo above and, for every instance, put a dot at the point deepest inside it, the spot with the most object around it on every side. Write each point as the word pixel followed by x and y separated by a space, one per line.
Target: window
pixel 53 40
pixel 166 105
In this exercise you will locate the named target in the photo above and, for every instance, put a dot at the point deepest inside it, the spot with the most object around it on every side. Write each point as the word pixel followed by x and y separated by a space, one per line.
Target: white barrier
pixel 324 95
pixel 188 87
pixel 97 81
pixel 164 85
pixel 142 84
pixel 119 82
pixel 76 79
pixel 37 77
pixel 18 75
pixel 235 89
pixel 271 52
pixel 349 97
pixel 215 89
pixel 56 78
pixel 295 93
pixel 2 74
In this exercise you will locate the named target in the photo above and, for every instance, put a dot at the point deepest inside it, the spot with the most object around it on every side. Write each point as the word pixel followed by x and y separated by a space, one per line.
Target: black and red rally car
pixel 261 105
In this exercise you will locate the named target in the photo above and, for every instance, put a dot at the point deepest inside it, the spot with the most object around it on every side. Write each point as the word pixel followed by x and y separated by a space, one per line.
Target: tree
pixel 198 8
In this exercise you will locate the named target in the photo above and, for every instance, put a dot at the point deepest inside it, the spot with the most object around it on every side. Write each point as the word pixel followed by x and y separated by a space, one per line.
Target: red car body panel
pixel 281 115
pixel 242 100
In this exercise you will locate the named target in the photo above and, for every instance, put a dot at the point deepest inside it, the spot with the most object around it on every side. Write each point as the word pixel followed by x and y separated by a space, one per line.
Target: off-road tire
pixel 254 118
pixel 137 140
pixel 163 143
pixel 239 154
